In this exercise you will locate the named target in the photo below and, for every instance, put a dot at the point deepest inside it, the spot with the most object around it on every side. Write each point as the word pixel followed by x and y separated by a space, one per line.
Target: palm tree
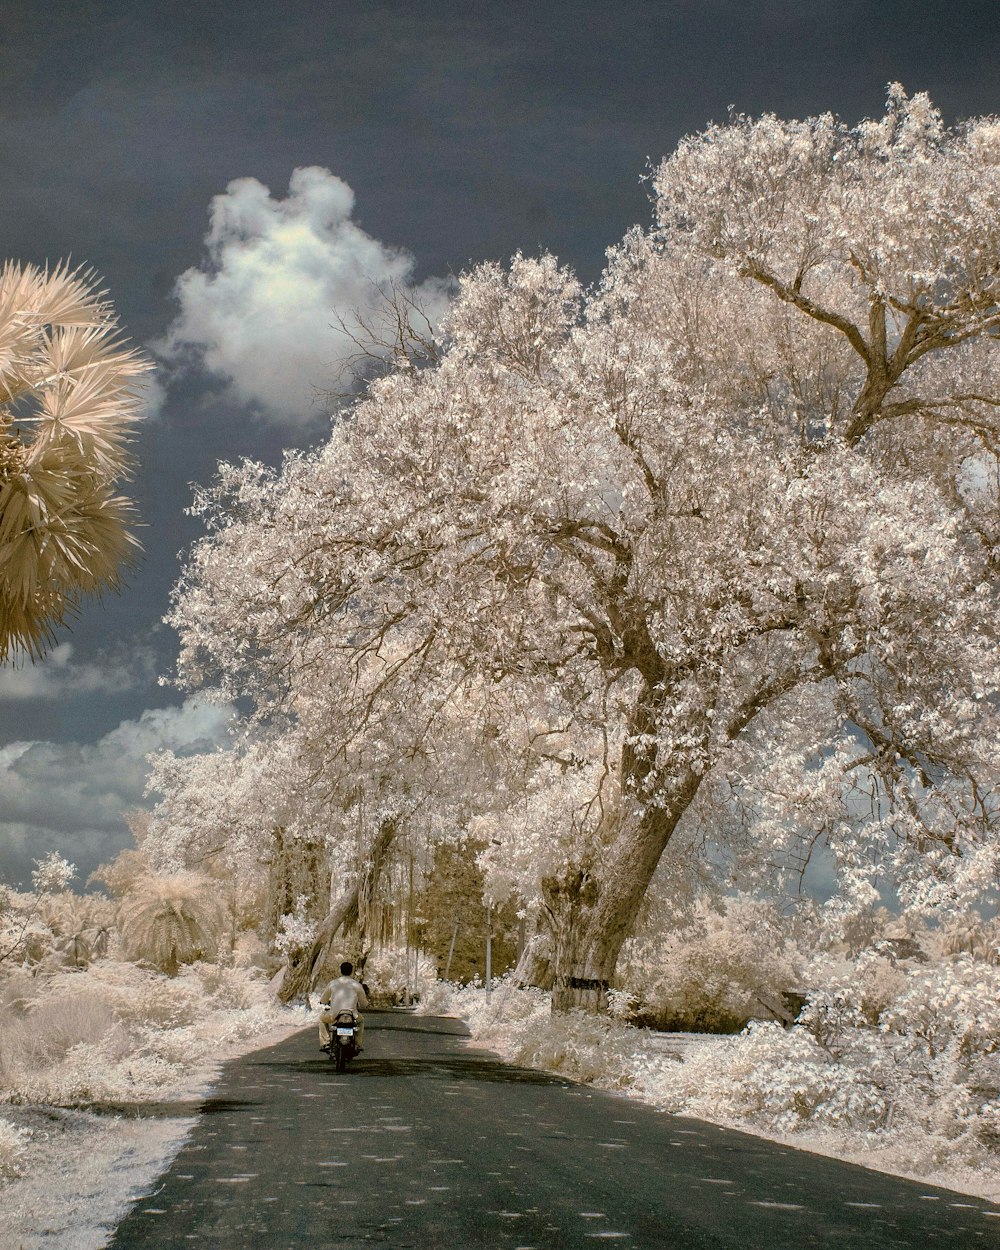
pixel 80 924
pixel 171 920
pixel 70 395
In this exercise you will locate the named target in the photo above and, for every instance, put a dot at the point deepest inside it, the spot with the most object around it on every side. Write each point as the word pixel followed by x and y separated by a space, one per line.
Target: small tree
pixel 19 932
pixel 167 921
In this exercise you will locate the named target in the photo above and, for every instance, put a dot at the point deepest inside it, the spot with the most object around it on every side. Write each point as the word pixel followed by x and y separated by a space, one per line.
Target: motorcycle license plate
pixel 345 1032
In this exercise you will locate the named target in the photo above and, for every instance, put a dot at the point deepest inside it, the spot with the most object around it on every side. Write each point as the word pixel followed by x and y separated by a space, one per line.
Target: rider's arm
pixel 362 996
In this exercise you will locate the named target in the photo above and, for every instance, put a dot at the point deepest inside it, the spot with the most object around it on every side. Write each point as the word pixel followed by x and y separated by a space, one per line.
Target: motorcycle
pixel 343 1039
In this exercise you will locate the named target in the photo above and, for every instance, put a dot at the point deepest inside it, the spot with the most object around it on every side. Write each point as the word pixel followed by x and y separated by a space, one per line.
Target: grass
pixel 116 1032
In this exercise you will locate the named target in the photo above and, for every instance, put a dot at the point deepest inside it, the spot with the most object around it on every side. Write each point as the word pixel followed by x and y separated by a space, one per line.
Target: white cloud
pixel 262 314
pixel 57 677
pixel 69 796
pixel 12 752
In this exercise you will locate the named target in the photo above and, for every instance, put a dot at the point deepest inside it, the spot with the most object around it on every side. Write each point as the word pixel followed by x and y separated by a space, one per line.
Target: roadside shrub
pixel 730 961
pixel 893 1059
pixel 118 1032
pixel 951 1007
pixel 388 972
pixel 140 997
pixel 226 987
pixel 111 1070
pixel 13 1148
pixel 508 1005
pixel 56 1023
pixel 519 1024
pixel 781 1079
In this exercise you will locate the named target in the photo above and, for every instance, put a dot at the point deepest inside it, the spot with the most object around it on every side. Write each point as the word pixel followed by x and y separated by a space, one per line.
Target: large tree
pixel 69 401
pixel 729 516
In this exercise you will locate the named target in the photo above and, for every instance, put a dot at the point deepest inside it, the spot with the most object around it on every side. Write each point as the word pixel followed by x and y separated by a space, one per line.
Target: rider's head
pixel 346 968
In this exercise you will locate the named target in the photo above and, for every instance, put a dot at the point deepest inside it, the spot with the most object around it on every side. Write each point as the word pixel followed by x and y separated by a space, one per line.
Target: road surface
pixel 428 1143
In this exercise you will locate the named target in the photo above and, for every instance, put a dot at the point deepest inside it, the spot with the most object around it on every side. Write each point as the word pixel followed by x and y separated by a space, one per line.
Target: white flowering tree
pixel 394 756
pixel 723 528
pixel 318 811
pixel 69 400
pixel 257 817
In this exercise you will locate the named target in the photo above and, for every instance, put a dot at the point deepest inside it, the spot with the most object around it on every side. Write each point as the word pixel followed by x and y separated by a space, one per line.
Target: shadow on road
pixel 180 1109
pixel 441 1067
pixel 436 1065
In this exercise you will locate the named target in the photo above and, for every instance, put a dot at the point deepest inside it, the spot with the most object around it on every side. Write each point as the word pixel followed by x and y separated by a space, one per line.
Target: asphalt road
pixel 427 1143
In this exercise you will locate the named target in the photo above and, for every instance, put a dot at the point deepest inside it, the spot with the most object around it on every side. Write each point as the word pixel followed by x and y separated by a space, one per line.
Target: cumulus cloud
pixel 58 677
pixel 69 796
pixel 263 313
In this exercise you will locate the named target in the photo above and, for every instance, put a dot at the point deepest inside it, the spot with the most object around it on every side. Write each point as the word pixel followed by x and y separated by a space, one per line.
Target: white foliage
pixel 13 1148
pixel 221 804
pixel 704 530
pixel 781 1080
pixel 52 874
pixel 295 930
pixel 119 1033
pixel 730 960
pixel 900 1088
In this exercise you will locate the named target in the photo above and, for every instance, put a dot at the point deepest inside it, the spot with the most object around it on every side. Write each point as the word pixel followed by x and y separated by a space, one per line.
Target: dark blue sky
pixel 466 130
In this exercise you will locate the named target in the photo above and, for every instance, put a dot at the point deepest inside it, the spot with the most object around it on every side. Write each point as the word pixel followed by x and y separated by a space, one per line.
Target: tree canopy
pixel 714 541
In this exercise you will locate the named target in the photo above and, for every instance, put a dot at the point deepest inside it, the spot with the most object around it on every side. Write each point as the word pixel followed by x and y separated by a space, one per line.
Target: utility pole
pixel 451 950
pixel 489 947
pixel 410 986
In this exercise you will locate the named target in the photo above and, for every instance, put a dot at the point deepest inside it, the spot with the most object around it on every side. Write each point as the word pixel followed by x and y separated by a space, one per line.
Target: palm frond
pixel 70 397
pixel 171 920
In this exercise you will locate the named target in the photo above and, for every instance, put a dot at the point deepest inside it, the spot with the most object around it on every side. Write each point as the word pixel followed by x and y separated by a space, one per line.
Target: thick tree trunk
pixel 534 965
pixel 304 972
pixel 369 919
pixel 569 902
pixel 297 867
pixel 587 952
pixel 598 914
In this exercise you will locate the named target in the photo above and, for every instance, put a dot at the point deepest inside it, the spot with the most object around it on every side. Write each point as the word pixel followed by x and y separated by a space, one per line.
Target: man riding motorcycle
pixel 342 994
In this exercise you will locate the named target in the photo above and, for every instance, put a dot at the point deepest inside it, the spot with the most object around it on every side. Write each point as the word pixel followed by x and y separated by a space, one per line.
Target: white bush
pixel 389 972
pixel 295 930
pixel 519 1025
pixel 729 961
pixel 51 1027
pixel 778 1079
pixel 116 1032
pixel 109 1071
pixel 13 1147
pixel 953 1007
